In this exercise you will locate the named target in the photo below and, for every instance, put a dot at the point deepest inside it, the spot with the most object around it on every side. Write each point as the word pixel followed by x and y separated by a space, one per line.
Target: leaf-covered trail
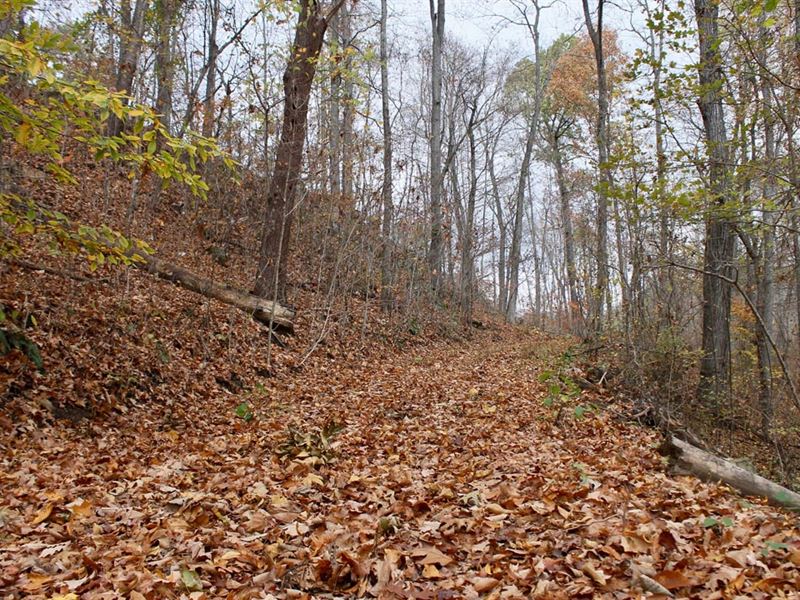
pixel 451 480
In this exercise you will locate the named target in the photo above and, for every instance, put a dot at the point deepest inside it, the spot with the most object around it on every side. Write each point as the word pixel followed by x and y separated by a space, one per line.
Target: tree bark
pixel 714 469
pixel 515 253
pixel 766 272
pixel 335 111
pixel 297 81
pixel 348 110
pixel 263 311
pixel 468 234
pixel 387 294
pixel 209 105
pixel 166 12
pixel 603 141
pixel 130 46
pixel 436 252
pixel 719 245
pixel 565 210
pixel 502 288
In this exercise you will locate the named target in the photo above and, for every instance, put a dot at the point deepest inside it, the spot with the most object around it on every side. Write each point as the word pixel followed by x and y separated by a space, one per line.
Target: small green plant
pixel 580 411
pixel 12 336
pixel 244 412
pixel 771 546
pixel 414 327
pixel 314 446
pixel 560 388
pixel 717 524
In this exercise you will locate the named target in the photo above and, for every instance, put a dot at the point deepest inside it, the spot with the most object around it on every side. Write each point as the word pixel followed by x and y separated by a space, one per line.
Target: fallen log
pixel 262 310
pixel 712 468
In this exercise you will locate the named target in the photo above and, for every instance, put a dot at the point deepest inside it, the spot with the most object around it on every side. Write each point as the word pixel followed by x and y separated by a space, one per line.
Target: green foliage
pixel 580 411
pixel 560 388
pixel 12 337
pixel 414 328
pixel 99 245
pixel 713 522
pixel 58 112
pixel 771 546
pixel 521 85
pixel 244 412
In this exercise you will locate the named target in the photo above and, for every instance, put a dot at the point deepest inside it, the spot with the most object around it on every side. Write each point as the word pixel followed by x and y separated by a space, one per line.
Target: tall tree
pixel 532 125
pixel 131 37
pixel 166 12
pixel 209 106
pixel 595 32
pixel 436 251
pixel 386 187
pixel 715 362
pixel 297 81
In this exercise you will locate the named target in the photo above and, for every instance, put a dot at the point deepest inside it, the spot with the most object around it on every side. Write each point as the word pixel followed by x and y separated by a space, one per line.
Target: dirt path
pixel 449 479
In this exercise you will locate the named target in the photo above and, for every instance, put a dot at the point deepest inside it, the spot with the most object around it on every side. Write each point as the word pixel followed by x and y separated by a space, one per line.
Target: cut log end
pixel 265 316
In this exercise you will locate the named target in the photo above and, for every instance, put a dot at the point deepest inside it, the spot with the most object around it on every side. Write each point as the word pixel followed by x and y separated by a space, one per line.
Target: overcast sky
pixel 479 21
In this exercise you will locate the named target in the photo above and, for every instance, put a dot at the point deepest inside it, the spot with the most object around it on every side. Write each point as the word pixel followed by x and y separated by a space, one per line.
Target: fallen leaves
pixel 431 556
pixel 43 513
pixel 473 492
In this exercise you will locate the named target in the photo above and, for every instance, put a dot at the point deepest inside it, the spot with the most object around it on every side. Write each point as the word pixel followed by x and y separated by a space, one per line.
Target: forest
pixel 391 299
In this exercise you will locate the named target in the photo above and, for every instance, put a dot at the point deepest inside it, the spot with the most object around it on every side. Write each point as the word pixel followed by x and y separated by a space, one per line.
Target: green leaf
pixel 191 580
pixel 710 522
pixel 770 5
pixel 544 376
pixel 243 411
pixel 580 411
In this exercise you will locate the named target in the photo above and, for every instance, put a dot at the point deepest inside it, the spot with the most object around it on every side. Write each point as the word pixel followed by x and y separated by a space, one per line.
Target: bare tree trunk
pixel 348 110
pixel 575 308
pixel 436 252
pixel 334 112
pixel 536 252
pixel 605 183
pixel 719 245
pixel 387 293
pixel 766 274
pixel 209 106
pixel 467 238
pixel 166 12
pixel 264 311
pixel 502 287
pixel 297 81
pixel 515 254
pixel 666 275
pixel 713 469
pixel 130 46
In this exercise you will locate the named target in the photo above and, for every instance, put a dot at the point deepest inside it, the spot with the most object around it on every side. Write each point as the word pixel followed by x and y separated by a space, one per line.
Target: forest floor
pixel 448 474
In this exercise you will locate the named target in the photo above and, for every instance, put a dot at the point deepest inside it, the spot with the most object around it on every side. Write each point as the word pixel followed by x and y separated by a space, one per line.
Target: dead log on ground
pixel 712 468
pixel 263 311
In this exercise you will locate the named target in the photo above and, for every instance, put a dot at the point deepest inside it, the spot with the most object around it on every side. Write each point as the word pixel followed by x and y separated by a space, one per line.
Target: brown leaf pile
pixel 451 479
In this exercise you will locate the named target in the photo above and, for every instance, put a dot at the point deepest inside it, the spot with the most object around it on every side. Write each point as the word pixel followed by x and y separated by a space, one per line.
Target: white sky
pixel 478 21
